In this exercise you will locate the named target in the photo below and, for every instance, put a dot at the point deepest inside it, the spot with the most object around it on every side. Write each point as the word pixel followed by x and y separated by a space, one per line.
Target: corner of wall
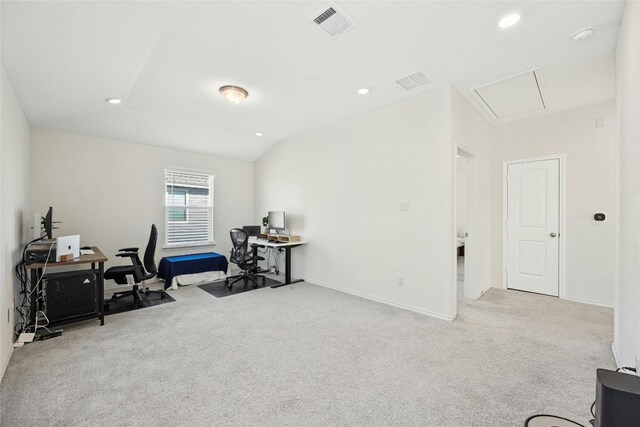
pixel 15 135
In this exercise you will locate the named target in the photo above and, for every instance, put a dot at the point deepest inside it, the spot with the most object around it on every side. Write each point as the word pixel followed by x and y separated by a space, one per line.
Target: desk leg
pixel 34 296
pixel 287 273
pixel 101 292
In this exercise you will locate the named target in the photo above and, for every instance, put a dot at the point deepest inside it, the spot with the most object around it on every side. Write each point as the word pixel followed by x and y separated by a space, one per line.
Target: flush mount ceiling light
pixel 259 133
pixel 363 91
pixel 509 20
pixel 113 101
pixel 233 94
pixel 583 34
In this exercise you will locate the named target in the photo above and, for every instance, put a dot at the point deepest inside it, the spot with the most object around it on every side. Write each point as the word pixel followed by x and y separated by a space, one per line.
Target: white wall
pixel 342 187
pixel 472 134
pixel 590 188
pixel 627 295
pixel 14 200
pixel 461 194
pixel 110 192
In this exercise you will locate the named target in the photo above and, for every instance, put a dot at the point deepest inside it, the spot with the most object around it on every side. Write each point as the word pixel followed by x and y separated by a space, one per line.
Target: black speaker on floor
pixel 617 399
pixel 70 295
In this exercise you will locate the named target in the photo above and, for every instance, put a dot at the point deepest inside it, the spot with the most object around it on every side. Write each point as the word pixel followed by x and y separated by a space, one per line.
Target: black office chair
pixel 137 269
pixel 248 262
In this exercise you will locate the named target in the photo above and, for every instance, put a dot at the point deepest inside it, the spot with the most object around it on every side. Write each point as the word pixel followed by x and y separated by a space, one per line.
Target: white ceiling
pixel 167 60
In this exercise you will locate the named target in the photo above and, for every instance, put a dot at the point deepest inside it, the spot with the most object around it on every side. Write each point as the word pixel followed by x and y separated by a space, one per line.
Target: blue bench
pixel 173 266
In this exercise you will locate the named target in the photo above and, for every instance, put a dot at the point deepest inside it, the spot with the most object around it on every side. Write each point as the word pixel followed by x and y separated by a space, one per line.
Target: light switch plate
pixel 404 205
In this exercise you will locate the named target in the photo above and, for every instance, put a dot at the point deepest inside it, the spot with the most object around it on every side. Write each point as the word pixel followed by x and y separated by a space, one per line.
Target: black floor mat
pixel 126 304
pixel 219 290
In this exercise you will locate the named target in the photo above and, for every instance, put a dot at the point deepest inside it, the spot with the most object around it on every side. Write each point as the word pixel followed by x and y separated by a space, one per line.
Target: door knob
pixel 553 234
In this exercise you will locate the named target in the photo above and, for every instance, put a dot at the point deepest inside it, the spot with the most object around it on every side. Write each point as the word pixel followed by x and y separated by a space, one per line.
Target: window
pixel 189 208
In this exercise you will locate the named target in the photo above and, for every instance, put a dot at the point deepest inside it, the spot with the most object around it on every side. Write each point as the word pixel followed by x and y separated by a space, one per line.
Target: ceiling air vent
pixel 414 80
pixel 333 21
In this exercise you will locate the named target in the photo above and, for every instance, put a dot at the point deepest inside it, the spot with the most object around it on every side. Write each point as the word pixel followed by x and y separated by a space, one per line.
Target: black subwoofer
pixel 617 399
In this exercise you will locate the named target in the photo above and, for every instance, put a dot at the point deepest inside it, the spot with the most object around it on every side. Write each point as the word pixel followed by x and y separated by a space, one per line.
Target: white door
pixel 533 218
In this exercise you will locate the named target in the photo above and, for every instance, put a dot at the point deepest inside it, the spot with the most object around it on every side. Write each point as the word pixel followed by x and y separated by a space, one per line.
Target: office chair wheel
pixel 146 292
pixel 277 272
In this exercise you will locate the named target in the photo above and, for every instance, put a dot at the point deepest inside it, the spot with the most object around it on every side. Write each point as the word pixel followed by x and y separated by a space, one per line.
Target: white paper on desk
pixel 86 252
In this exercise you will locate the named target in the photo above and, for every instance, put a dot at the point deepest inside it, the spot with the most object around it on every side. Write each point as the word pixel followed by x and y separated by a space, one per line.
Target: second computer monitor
pixel 276 220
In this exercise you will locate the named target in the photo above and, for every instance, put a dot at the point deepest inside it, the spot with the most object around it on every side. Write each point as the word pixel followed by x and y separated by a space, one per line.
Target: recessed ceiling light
pixel 259 133
pixel 363 91
pixel 113 100
pixel 509 20
pixel 583 34
pixel 233 94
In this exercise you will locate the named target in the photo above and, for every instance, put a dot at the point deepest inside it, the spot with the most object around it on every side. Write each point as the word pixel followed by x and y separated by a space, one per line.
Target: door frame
pixel 470 289
pixel 561 220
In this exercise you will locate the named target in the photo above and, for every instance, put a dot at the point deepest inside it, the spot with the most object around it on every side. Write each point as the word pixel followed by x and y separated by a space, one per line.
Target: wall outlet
pixel 400 280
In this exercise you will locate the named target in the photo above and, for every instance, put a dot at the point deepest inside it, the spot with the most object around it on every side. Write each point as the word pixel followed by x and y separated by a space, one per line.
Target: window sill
pixel 188 245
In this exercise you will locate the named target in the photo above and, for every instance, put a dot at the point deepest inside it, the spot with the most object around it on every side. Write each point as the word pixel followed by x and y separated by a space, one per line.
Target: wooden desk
pixel 287 257
pixel 38 270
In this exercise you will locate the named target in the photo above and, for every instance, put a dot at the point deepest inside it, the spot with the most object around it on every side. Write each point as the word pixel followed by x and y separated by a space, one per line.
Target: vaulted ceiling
pixel 166 60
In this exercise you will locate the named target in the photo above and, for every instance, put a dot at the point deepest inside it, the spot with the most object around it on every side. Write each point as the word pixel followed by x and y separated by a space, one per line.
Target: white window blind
pixel 189 208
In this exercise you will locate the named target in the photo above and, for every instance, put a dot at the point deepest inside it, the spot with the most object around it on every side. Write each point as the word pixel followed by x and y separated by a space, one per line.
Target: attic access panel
pixel 512 96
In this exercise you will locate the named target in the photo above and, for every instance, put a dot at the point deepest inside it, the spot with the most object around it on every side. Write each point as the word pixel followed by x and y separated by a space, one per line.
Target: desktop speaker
pixel 70 295
pixel 617 399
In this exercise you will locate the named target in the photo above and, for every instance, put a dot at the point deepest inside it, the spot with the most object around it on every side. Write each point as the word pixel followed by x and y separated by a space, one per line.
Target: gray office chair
pixel 247 261
pixel 140 271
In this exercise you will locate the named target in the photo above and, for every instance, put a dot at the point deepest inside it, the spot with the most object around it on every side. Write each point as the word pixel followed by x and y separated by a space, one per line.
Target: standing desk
pixel 38 270
pixel 287 257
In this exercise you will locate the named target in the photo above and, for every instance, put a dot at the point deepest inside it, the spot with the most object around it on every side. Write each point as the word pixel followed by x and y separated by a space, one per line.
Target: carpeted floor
pixel 307 355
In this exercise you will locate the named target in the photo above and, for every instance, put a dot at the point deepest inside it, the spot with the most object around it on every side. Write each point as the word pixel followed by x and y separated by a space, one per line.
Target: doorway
pixel 533 221
pixel 465 221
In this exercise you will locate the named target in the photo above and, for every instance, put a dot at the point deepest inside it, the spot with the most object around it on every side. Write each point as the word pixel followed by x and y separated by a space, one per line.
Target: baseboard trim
pixel 482 292
pixel 381 300
pixel 616 358
pixel 3 368
pixel 584 301
pixel 122 288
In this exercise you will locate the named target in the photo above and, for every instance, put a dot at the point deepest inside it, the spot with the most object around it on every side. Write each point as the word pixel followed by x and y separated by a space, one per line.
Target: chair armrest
pixel 128 250
pixel 127 254
pixel 256 245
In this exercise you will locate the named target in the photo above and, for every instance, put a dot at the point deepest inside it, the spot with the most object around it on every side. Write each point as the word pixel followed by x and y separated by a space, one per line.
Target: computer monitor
pixel 48 223
pixel 276 220
pixel 252 230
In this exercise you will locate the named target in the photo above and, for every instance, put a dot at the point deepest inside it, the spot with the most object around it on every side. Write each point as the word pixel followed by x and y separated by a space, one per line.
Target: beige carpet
pixel 307 355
